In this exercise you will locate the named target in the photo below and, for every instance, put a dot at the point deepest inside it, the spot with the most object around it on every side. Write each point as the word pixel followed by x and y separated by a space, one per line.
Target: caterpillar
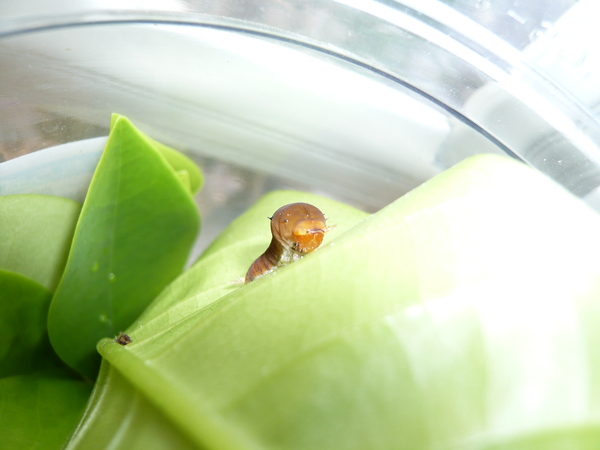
pixel 296 229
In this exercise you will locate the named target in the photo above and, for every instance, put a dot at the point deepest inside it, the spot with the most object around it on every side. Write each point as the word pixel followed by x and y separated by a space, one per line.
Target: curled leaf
pixel 463 315
pixel 36 235
pixel 133 236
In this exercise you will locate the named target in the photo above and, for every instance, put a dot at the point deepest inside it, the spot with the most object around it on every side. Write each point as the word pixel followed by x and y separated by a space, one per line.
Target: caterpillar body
pixel 296 229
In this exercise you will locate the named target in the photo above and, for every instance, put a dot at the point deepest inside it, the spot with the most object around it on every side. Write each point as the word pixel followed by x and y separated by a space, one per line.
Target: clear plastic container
pixel 356 100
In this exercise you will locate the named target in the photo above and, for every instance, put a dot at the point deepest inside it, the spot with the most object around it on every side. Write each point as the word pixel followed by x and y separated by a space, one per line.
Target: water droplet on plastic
pixel 545 30
pixel 95 267
pixel 593 78
pixel 516 16
pixel 572 56
pixel 50 127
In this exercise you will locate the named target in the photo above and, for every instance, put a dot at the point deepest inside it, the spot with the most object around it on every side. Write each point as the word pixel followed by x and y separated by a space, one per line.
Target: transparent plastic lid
pixel 359 100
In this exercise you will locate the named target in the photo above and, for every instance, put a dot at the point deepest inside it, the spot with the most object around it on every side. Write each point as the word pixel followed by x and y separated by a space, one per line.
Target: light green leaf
pixel 36 234
pixel 24 345
pixel 134 234
pixel 464 315
pixel 118 404
pixel 244 240
pixel 38 412
pixel 228 258
pixel 187 170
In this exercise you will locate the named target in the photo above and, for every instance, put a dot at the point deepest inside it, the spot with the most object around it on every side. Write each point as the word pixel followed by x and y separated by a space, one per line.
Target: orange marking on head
pixel 298 228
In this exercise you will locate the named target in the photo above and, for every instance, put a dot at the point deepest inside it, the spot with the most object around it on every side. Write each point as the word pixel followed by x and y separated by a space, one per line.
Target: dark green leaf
pixel 134 234
pixel 24 345
pixel 38 412
pixel 35 235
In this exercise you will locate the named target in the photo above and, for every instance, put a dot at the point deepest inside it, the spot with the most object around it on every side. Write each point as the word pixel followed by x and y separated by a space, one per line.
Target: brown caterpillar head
pixel 299 226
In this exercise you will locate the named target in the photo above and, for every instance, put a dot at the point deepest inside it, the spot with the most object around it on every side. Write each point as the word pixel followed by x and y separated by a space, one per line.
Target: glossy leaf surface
pixel 186 169
pixel 464 315
pixel 35 235
pixel 133 236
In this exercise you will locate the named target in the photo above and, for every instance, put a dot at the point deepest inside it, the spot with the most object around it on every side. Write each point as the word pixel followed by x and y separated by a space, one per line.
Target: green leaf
pixel 187 170
pixel 36 234
pixel 38 412
pixel 24 345
pixel 464 315
pixel 243 241
pixel 117 404
pixel 133 236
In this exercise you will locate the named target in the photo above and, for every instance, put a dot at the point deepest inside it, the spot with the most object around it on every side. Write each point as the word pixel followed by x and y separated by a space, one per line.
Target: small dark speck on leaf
pixel 123 339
